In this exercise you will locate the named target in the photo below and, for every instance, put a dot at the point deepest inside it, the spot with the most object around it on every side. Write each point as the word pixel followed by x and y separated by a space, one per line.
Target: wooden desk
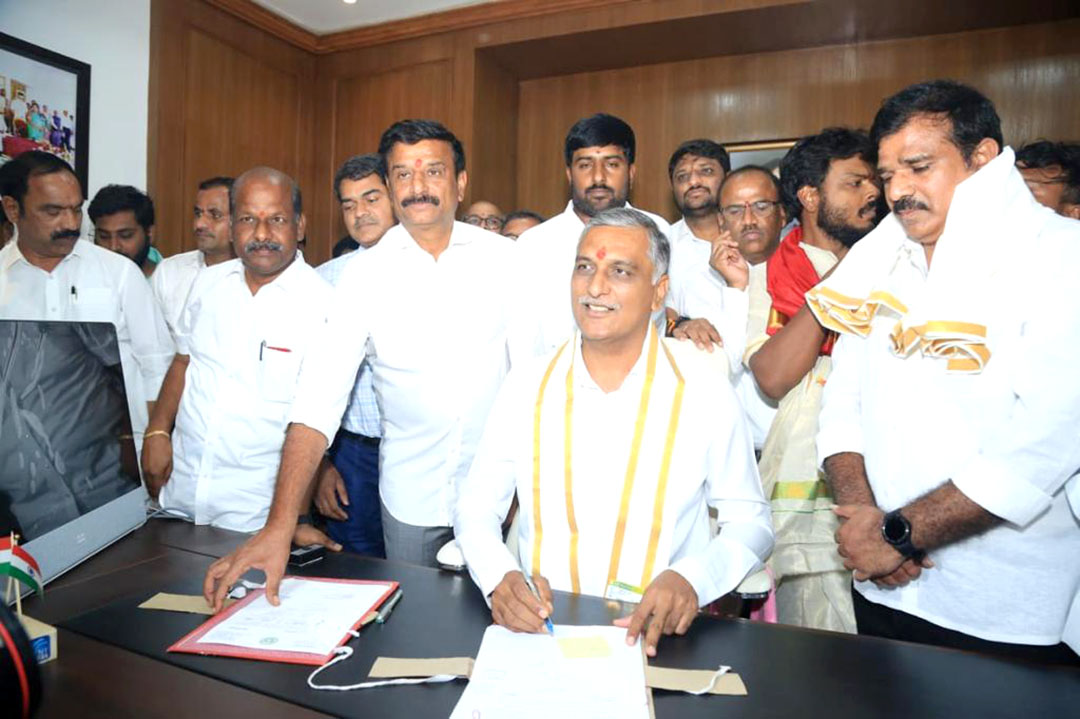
pixel 115 664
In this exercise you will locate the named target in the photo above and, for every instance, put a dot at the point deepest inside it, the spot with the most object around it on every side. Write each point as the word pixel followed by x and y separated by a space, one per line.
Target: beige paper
pixel 393 668
pixel 190 603
pixel 692 680
pixel 583 647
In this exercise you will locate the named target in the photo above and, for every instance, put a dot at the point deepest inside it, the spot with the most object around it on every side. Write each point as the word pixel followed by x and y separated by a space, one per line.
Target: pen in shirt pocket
pixel 264 346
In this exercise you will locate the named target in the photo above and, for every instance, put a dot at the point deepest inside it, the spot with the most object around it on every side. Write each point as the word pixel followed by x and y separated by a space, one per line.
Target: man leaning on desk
pixel 617 443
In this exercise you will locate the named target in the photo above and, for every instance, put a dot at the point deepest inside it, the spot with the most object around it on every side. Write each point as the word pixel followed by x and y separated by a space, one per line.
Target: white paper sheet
pixel 313 617
pixel 531 676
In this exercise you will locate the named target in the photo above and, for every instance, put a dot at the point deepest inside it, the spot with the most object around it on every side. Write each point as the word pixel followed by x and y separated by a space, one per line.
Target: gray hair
pixel 659 248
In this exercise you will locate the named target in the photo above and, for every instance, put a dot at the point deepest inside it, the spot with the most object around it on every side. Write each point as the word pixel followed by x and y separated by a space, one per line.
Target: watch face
pixel 895 529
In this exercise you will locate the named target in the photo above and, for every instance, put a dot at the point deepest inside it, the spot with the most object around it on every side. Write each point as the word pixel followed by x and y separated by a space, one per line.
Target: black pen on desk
pixel 384 613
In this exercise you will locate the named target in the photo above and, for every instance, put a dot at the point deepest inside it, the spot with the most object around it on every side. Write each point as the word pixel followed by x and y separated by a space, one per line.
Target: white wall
pixel 113 37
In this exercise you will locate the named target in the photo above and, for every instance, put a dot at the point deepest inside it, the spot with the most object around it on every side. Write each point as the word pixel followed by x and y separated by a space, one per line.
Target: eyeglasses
pixel 760 208
pixel 492 222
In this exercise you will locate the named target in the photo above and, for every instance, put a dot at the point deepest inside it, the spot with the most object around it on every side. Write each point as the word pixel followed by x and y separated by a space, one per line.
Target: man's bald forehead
pixel 272 176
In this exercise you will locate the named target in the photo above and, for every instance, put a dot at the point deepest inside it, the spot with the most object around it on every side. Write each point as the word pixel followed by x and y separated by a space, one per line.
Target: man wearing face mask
pixel 48 273
pixel 599 154
pixel 830 186
pixel 123 218
pixel 214 441
pixel 347 484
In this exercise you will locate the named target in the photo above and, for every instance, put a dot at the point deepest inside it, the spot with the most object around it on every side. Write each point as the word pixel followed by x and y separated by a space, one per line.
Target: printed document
pixel 313 617
pixel 586 671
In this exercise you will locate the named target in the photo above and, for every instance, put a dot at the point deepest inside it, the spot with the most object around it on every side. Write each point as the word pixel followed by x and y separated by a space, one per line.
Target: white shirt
pixel 245 354
pixel 696 290
pixel 548 251
pixel 362 414
pixel 712 466
pixel 1008 437
pixel 171 283
pixel 92 284
pixel 437 335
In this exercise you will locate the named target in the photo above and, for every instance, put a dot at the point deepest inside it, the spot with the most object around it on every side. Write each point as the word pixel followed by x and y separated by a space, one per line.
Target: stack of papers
pixel 586 671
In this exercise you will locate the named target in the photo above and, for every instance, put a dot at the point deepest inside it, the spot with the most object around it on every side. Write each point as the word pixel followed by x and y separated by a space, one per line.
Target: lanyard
pixel 631 468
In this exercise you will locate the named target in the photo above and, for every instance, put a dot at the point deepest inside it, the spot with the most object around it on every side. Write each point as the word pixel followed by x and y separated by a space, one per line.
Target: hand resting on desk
pixel 668 606
pixel 268 550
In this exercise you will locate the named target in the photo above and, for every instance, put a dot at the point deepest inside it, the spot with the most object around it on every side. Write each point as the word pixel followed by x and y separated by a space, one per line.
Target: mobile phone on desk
pixel 303 556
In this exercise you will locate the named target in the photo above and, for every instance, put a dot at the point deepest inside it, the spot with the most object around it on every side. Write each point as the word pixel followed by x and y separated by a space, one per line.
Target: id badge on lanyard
pixel 622 592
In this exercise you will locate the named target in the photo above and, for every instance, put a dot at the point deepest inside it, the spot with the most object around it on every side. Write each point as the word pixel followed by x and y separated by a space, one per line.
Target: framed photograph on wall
pixel 45 101
pixel 767 154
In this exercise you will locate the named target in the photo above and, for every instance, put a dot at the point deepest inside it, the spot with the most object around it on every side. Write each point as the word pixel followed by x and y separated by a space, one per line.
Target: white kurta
pixel 172 281
pixel 1008 436
pixel 547 257
pixel 245 355
pixel 712 465
pixel 438 336
pixel 95 285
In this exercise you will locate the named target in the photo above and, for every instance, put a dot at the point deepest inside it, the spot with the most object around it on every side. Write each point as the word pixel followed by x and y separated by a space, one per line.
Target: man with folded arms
pixel 248 325
pixel 430 306
pixel 616 445
pixel 949 423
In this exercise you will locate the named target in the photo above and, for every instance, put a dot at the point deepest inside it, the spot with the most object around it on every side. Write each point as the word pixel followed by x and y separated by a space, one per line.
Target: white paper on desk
pixel 527 676
pixel 313 617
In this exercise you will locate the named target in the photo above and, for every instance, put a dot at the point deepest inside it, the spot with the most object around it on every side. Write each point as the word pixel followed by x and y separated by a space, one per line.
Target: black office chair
pixel 20 679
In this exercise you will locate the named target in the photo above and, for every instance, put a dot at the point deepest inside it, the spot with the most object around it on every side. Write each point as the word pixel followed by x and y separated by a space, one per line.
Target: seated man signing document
pixel 617 444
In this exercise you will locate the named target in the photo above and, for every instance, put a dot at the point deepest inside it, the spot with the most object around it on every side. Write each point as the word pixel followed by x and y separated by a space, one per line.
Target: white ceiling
pixel 327 16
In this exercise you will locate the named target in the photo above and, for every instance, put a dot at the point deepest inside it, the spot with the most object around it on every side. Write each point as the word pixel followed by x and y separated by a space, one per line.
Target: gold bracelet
pixel 157 433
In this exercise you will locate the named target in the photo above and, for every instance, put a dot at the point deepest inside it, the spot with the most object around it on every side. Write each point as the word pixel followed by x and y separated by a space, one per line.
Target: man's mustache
pixel 420 198
pixel 599 187
pixel 909 203
pixel 586 300
pixel 695 187
pixel 365 221
pixel 260 245
pixel 64 235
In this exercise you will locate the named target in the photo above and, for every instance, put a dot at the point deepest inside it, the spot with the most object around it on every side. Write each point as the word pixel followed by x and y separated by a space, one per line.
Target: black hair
pixel 411 132
pixel 356 168
pixel 752 168
pixel 522 215
pixel 1066 155
pixel 220 181
pixel 702 148
pixel 600 130
pixel 297 198
pixel 15 179
pixel 112 199
pixel 345 244
pixel 971 114
pixel 807 163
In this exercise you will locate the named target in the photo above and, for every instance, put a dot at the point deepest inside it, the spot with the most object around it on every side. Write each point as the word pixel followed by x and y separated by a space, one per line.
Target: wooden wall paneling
pixel 1030 72
pixel 226 96
pixel 364 106
pixel 494 156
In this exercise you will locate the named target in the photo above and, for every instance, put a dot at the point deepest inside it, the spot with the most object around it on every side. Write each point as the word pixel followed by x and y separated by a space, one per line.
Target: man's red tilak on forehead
pixel 416 164
pixel 600 253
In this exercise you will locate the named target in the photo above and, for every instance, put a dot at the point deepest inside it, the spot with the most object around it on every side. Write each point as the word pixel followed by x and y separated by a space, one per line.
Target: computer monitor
pixel 69 477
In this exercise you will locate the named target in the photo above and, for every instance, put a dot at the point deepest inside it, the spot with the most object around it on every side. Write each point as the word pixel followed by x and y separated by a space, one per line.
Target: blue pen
pixel 532 588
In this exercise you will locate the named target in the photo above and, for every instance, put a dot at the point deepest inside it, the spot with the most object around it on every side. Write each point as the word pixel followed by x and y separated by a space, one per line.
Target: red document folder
pixel 190 644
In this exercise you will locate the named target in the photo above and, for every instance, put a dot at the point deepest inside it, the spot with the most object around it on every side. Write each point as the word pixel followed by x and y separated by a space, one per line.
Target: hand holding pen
pixel 523 604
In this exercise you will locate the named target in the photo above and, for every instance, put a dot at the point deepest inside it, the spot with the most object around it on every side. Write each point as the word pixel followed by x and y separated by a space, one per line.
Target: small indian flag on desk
pixel 17 563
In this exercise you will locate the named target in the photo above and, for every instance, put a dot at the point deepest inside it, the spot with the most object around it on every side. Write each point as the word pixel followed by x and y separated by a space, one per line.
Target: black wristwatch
pixel 896 530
